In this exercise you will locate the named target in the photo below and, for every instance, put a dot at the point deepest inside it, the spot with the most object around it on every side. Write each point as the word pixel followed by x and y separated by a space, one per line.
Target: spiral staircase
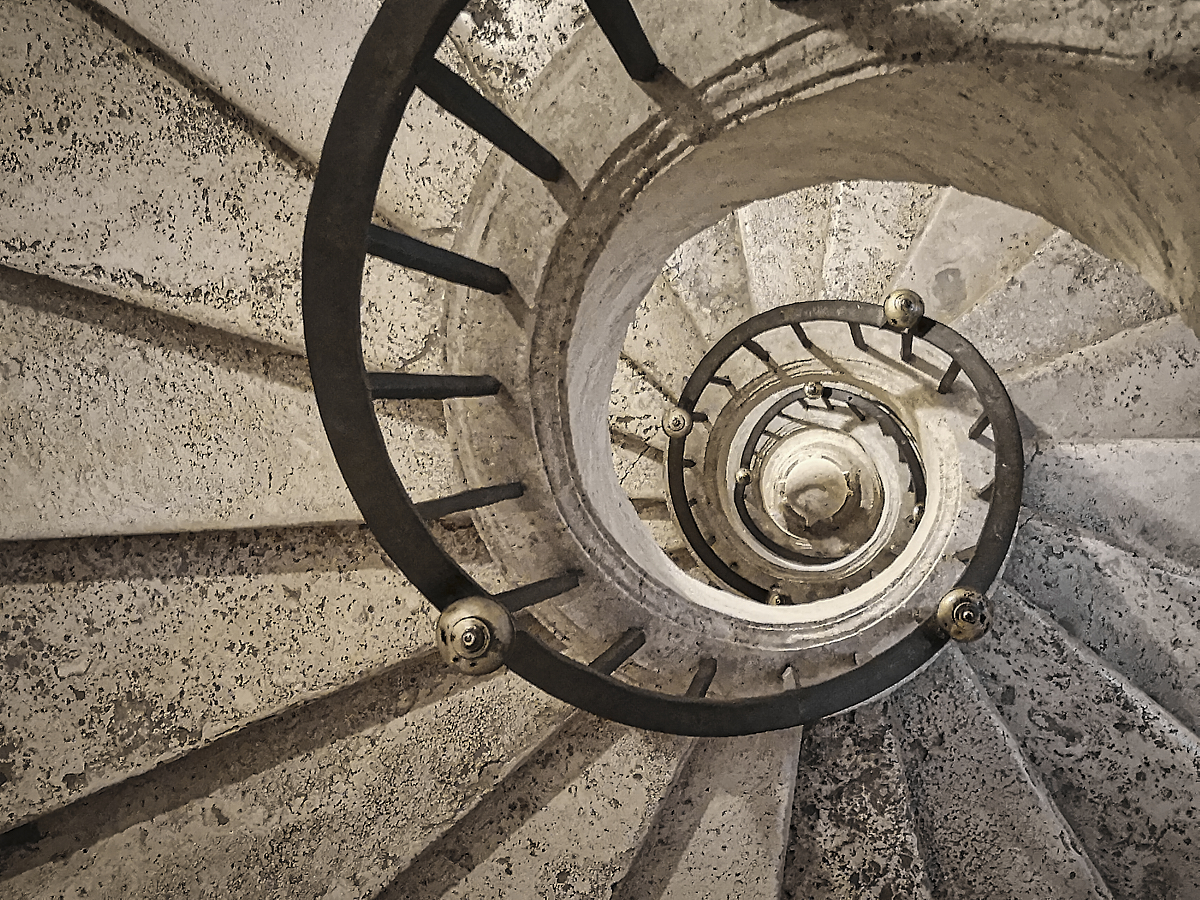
pixel 219 682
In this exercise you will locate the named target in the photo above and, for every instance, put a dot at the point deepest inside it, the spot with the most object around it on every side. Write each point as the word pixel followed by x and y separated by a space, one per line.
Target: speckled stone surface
pixel 784 241
pixel 144 648
pixel 1137 384
pixel 1124 773
pixel 1066 297
pixel 663 338
pixel 872 226
pixel 329 801
pixel 968 248
pixel 1143 619
pixel 723 830
pixel 566 825
pixel 126 422
pixel 986 826
pixel 137 185
pixel 1135 494
pixel 285 66
pixel 852 833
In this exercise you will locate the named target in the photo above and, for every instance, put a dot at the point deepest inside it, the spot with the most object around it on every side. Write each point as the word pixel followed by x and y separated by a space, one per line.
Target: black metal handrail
pixel 398 48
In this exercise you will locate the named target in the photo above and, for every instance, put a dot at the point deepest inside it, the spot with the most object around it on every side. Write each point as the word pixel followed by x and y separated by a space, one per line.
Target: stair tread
pixel 137 424
pixel 289 81
pixel 1134 494
pixel 572 815
pixel 722 832
pixel 784 242
pixel 1123 772
pixel 338 803
pixel 1133 385
pixel 986 826
pixel 1065 298
pixel 969 247
pixel 872 226
pixel 852 827
pixel 175 205
pixel 1140 618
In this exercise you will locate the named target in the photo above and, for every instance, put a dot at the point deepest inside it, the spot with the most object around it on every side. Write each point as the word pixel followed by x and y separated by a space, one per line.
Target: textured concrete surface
pixel 872 226
pixel 852 827
pixel 123 422
pixel 328 801
pixel 784 240
pixel 566 825
pixel 969 247
pixel 130 182
pixel 1124 773
pixel 723 831
pixel 141 649
pixel 986 826
pixel 1137 494
pixel 1065 298
pixel 1136 384
pixel 1144 620
pixel 284 66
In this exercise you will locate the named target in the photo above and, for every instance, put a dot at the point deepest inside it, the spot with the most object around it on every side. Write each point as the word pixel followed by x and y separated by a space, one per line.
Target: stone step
pixel 142 649
pixel 288 80
pixel 1124 773
pixel 1134 494
pixel 1140 618
pixel 783 239
pixel 722 832
pixel 141 186
pixel 1133 385
pixel 332 799
pixel 985 824
pixel 664 339
pixel 969 248
pixel 852 830
pixel 1065 298
pixel 569 820
pixel 873 226
pixel 128 422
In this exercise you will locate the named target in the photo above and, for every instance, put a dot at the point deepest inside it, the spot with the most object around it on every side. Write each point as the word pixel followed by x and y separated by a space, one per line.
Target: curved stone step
pixel 1136 384
pixel 985 824
pixel 1124 773
pixel 852 827
pixel 1138 495
pixel 123 653
pixel 784 239
pixel 126 422
pixel 569 820
pixel 1141 619
pixel 332 799
pixel 288 81
pixel 1066 297
pixel 722 832
pixel 970 246
pixel 132 183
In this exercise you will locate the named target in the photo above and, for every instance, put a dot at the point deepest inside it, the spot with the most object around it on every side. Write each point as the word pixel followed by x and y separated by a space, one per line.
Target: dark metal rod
pixel 722 380
pixel 410 386
pixel 699 416
pixel 906 340
pixel 857 335
pixel 948 378
pixel 759 351
pixel 407 251
pixel 529 594
pixel 703 678
pixel 472 499
pixel 979 427
pixel 985 493
pixel 453 94
pixel 861 416
pixel 620 25
pixel 624 647
pixel 805 341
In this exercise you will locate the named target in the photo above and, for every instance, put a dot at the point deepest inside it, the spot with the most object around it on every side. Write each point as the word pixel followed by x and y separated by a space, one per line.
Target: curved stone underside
pixel 214 681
